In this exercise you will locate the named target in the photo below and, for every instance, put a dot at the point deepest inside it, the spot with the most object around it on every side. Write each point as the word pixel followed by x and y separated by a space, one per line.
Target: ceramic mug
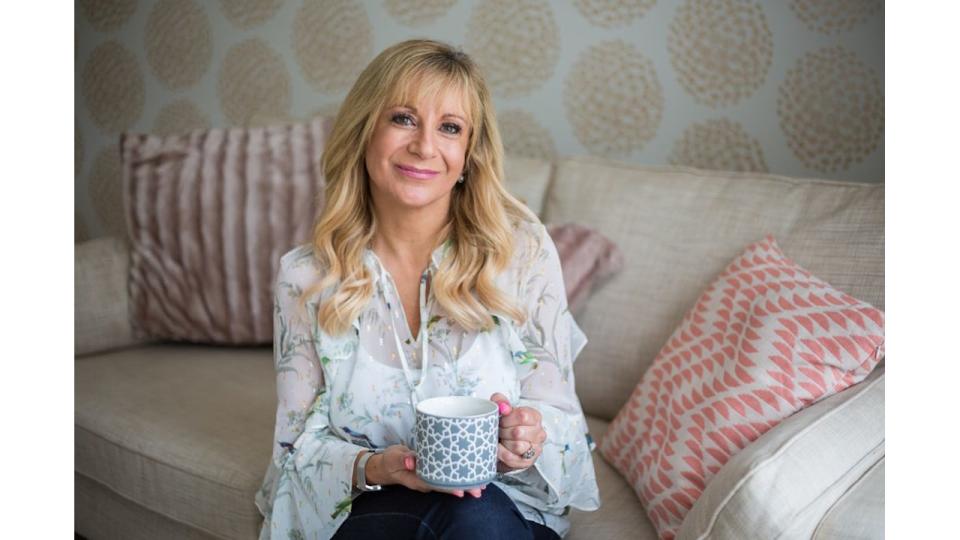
pixel 456 438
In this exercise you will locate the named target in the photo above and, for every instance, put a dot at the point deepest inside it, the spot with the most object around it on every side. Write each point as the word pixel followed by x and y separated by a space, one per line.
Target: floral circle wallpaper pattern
pixel 107 15
pixel 834 16
pixel 248 14
pixel 720 50
pixel 333 42
pixel 179 116
pixel 113 88
pixel 613 99
pixel 178 43
pixel 793 88
pixel 254 85
pixel 720 144
pixel 613 13
pixel 418 13
pixel 516 43
pixel 831 109
pixel 524 135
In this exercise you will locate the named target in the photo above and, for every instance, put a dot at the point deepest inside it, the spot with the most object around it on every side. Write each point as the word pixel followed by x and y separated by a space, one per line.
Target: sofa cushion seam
pixel 149 509
pixel 844 495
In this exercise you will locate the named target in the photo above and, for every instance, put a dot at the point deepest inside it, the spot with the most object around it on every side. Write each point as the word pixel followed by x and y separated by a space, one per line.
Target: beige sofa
pixel 171 440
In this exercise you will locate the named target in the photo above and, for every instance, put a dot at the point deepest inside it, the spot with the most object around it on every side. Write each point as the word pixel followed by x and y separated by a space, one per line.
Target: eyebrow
pixel 457 116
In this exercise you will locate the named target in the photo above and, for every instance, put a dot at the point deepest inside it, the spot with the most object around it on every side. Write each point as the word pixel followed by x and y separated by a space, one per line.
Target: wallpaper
pixel 791 87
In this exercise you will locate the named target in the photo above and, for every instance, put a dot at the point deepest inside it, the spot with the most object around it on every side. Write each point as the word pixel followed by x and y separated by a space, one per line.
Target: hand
pixel 521 429
pixel 398 465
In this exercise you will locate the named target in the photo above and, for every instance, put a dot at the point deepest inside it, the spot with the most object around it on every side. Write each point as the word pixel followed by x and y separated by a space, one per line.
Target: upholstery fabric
pixel 620 514
pixel 782 485
pixel 527 179
pixel 678 228
pixel 587 258
pixel 209 214
pixel 859 513
pixel 100 512
pixel 101 319
pixel 764 340
pixel 184 431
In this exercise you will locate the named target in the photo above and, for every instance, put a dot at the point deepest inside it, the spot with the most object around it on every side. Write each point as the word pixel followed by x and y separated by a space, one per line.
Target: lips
pixel 414 172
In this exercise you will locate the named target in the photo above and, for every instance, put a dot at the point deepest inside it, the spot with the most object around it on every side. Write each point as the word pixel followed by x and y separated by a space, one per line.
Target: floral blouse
pixel 340 395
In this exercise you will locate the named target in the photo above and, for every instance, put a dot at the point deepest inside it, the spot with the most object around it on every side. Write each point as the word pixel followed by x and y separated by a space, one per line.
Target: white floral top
pixel 339 395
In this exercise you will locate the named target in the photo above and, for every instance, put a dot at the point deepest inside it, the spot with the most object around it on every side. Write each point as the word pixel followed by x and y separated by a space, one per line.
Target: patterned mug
pixel 456 438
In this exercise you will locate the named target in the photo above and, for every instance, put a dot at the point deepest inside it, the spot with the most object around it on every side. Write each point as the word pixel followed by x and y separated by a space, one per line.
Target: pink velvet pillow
pixel 209 214
pixel 764 340
pixel 586 258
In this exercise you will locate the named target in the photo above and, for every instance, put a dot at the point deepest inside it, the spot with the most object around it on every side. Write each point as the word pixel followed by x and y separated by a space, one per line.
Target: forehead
pixel 433 92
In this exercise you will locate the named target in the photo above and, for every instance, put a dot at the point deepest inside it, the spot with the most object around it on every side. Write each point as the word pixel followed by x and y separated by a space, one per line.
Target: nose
pixel 422 144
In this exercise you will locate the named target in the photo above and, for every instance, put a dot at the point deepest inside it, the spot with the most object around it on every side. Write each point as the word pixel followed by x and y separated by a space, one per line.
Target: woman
pixel 424 278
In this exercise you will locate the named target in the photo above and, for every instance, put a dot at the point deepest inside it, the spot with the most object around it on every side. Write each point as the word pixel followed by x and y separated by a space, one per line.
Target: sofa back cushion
pixel 209 214
pixel 527 180
pixel 678 228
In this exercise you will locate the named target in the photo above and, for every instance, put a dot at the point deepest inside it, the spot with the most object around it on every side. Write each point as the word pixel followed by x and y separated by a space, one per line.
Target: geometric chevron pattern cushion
pixel 764 340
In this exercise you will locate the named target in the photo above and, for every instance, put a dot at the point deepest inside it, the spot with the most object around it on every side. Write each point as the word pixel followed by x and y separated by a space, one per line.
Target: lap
pixel 397 512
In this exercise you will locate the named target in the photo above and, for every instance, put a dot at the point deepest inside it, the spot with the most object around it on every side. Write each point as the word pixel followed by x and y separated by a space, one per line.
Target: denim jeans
pixel 396 512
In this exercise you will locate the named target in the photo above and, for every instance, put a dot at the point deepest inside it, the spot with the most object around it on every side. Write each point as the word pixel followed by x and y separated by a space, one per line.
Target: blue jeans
pixel 397 512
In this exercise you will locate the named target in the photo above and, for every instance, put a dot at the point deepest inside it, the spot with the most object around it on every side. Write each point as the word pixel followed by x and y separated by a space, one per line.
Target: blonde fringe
pixel 483 213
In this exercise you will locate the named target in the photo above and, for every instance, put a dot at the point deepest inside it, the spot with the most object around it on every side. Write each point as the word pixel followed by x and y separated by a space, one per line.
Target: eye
pixel 402 119
pixel 451 128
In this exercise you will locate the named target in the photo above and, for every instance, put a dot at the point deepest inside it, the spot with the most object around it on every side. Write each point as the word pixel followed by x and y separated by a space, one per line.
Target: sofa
pixel 172 439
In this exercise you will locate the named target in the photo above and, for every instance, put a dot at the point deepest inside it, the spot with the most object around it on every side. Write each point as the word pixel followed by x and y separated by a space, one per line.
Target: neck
pixel 408 237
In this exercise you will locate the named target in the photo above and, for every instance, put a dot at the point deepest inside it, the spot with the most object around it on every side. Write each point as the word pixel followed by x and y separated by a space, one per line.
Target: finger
pixel 517 447
pixel 521 416
pixel 502 402
pixel 521 433
pixel 512 460
pixel 475 493
pixel 414 482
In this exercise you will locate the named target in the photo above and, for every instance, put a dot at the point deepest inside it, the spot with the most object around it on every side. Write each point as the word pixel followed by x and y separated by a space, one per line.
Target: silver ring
pixel 529 453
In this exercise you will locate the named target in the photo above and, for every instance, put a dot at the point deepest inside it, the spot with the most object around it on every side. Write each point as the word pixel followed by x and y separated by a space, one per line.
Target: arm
pixel 563 474
pixel 309 484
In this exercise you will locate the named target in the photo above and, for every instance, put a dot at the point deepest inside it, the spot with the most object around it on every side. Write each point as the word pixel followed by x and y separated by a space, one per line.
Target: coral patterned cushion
pixel 764 340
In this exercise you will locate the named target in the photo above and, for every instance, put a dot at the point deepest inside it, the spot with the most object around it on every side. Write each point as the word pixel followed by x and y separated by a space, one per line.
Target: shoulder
pixel 299 268
pixel 530 239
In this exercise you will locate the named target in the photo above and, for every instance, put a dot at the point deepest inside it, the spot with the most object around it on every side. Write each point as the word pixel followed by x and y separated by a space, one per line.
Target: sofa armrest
pixel 100 310
pixel 785 483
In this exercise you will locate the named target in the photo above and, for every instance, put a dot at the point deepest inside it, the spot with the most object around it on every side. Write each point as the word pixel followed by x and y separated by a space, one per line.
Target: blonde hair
pixel 482 213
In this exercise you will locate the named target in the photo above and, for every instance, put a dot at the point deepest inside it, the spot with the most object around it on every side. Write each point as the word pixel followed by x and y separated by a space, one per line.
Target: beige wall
pixel 792 87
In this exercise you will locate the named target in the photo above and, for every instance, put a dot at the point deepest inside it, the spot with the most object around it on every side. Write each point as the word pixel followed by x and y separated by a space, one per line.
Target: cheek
pixel 456 154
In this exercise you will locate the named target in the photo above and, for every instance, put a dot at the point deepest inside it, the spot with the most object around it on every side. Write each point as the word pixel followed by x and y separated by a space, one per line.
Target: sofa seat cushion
pixel 859 513
pixel 620 514
pixel 184 431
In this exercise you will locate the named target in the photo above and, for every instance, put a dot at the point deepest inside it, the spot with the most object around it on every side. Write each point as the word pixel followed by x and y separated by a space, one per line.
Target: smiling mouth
pixel 414 172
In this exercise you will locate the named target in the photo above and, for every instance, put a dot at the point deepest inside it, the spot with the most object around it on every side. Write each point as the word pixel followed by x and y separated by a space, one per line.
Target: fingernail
pixel 408 462
pixel 504 407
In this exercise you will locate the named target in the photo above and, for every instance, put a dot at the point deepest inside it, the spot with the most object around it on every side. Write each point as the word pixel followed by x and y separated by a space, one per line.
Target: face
pixel 417 153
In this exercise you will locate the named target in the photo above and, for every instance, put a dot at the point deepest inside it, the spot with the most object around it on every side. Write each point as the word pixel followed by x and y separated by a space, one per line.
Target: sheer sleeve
pixel 308 488
pixel 563 475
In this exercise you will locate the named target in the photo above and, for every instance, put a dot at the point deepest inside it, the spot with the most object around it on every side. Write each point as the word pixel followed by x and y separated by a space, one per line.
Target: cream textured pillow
pixel 209 214
pixel 764 340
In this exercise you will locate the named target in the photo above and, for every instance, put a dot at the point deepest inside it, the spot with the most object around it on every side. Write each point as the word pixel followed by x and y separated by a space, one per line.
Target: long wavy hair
pixel 482 213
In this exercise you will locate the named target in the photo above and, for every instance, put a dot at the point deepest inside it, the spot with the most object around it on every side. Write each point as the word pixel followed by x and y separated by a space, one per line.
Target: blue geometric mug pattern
pixel 457 451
